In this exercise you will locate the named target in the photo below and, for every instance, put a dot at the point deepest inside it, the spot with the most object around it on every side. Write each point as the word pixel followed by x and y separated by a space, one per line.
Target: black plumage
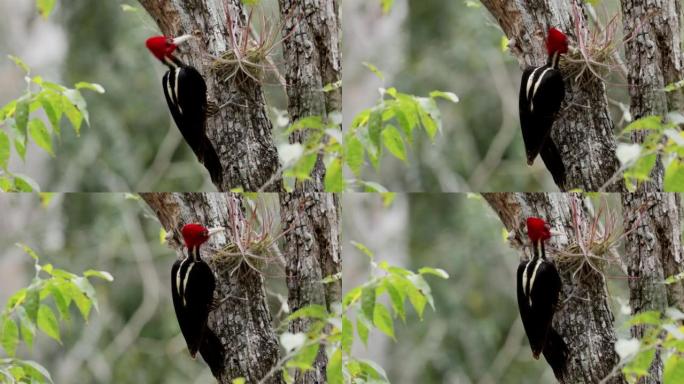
pixel 542 91
pixel 193 284
pixel 186 96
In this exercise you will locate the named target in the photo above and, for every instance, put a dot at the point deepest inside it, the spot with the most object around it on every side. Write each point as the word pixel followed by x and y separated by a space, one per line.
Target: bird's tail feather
pixel 211 161
pixel 556 353
pixel 211 350
pixel 553 161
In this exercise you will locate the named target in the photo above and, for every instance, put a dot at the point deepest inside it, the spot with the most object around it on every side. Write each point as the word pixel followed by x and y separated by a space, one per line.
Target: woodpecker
pixel 542 91
pixel 539 286
pixel 186 95
pixel 193 286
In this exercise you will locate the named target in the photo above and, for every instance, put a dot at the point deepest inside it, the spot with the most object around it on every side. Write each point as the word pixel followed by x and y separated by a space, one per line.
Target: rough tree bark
pixel 654 58
pixel 312 56
pixel 312 253
pixel 241 130
pixel 583 130
pixel 653 251
pixel 583 319
pixel 243 323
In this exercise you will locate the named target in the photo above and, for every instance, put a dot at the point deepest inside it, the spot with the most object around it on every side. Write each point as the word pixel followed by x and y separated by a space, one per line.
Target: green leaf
pixel 20 63
pixel 77 100
pixel 21 117
pixel 375 129
pixel 61 296
pixel 334 368
pixel 53 112
pixel 334 181
pixel 73 114
pixel 91 86
pixel 396 298
pixel 314 311
pixel 31 303
pixel 24 184
pixel 362 328
pixel 383 320
pixel 347 334
pixel 434 271
pixel 36 371
pixel 82 301
pixel 9 338
pixel 104 275
pixel 394 142
pixel 373 68
pixel 45 7
pixel 645 123
pixel 47 322
pixel 41 136
pixel 28 328
pixel 4 150
pixel 354 154
pixel 640 363
pixel 368 301
pixel 28 250
pixel 645 318
pixel 449 96
pixel 363 249
pixel 674 369
pixel 84 285
pixel 674 176
pixel 305 357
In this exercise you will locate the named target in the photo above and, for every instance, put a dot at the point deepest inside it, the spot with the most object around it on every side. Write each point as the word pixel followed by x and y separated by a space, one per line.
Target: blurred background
pixel 134 338
pixel 132 143
pixel 475 334
pixel 456 46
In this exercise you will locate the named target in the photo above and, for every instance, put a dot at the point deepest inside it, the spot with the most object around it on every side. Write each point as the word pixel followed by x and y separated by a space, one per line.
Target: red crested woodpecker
pixel 542 91
pixel 193 286
pixel 186 95
pixel 539 286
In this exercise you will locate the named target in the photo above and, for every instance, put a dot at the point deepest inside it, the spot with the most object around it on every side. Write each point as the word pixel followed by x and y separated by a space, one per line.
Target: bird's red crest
pixel 160 46
pixel 538 229
pixel 556 41
pixel 194 234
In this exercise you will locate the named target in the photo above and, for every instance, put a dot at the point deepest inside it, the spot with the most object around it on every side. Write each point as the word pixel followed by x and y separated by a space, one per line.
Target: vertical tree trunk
pixel 243 323
pixel 654 58
pixel 584 319
pixel 312 57
pixel 312 253
pixel 241 130
pixel 653 251
pixel 583 129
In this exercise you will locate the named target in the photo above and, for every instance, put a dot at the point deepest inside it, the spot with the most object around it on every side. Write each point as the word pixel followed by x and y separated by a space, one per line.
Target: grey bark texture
pixel 653 242
pixel 654 59
pixel 312 57
pixel 312 252
pixel 241 131
pixel 584 318
pixel 243 323
pixel 583 130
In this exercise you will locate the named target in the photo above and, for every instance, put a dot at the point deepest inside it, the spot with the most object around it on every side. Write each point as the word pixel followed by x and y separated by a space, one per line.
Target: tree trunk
pixel 243 323
pixel 583 130
pixel 583 319
pixel 654 58
pixel 241 130
pixel 312 57
pixel 312 253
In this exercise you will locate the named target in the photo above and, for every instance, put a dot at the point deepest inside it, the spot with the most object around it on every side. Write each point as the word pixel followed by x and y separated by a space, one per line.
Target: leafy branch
pixel 364 303
pixel 27 310
pixel 18 118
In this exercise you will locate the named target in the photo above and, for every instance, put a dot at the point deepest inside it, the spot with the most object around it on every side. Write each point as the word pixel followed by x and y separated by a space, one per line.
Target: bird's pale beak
pixel 215 230
pixel 181 39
